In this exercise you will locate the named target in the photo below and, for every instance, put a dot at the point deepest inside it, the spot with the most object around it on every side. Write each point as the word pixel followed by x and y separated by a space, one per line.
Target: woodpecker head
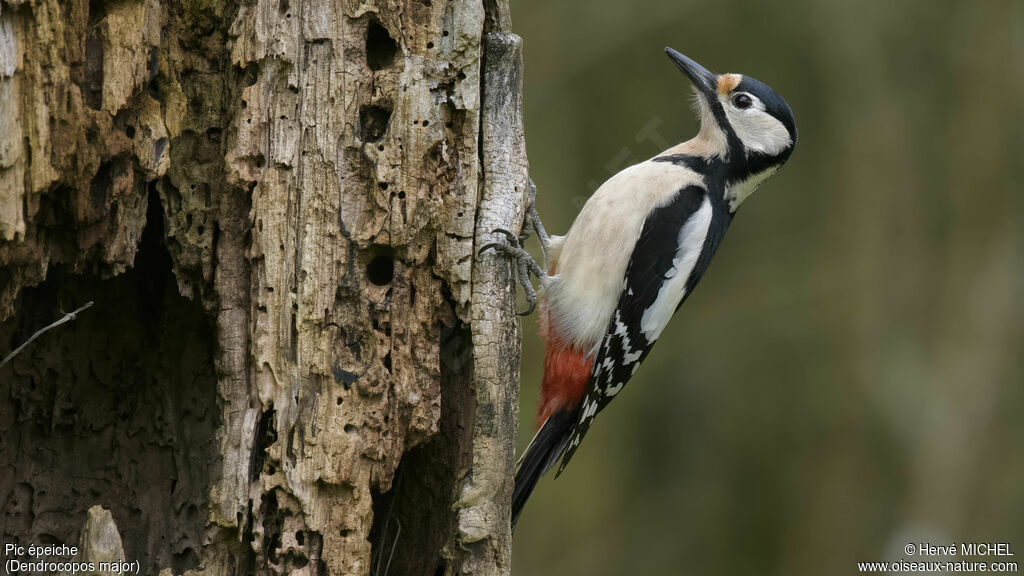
pixel 743 122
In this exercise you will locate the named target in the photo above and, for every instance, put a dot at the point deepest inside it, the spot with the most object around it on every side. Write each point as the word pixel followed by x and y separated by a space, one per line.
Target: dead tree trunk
pixel 294 363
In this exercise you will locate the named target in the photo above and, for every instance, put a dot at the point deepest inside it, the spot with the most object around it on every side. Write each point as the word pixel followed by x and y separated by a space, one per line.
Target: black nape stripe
pixel 695 163
pixel 719 174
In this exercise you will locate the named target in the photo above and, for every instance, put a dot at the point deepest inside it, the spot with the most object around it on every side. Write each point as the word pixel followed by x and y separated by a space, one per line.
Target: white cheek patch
pixel 758 130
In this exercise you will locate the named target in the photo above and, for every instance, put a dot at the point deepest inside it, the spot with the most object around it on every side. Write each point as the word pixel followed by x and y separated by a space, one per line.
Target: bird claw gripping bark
pixel 513 247
pixel 533 220
pixel 525 265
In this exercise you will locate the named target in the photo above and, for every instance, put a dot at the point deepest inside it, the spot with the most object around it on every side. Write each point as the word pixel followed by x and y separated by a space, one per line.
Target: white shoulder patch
pixel 691 241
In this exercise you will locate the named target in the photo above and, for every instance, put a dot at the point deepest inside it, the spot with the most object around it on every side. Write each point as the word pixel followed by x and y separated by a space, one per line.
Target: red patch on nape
pixel 566 373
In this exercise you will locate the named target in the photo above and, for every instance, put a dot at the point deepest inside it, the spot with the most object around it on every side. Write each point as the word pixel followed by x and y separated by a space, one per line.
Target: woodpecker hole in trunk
pixel 380 270
pixel 113 408
pixel 373 122
pixel 380 46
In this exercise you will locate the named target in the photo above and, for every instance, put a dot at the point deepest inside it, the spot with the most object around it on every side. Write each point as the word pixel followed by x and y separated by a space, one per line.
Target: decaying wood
pixel 307 180
pixel 484 534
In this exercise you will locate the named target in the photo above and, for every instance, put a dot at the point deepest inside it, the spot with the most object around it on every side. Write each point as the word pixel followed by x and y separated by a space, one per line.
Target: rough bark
pixel 295 363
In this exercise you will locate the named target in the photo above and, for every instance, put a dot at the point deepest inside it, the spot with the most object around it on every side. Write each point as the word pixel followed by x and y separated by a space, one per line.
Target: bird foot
pixel 534 223
pixel 525 264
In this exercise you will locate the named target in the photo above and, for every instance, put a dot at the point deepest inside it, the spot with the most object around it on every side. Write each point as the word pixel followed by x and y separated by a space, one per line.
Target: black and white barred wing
pixel 662 269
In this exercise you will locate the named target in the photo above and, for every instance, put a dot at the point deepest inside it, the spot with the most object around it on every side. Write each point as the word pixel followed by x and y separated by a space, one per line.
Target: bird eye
pixel 742 101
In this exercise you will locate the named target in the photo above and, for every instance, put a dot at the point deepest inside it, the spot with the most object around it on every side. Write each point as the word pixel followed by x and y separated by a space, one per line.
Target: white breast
pixel 583 294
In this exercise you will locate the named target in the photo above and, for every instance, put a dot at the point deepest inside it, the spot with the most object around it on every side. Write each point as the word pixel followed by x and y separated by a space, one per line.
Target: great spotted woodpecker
pixel 635 253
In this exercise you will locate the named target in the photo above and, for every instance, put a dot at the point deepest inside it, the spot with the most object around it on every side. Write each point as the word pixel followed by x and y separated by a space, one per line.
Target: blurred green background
pixel 849 376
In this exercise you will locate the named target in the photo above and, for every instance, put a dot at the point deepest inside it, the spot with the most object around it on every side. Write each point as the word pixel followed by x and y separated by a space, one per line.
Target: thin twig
pixel 67 318
pixel 394 544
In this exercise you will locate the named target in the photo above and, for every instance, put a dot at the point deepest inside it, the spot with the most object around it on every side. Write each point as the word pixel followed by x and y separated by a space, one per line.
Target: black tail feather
pixel 540 456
